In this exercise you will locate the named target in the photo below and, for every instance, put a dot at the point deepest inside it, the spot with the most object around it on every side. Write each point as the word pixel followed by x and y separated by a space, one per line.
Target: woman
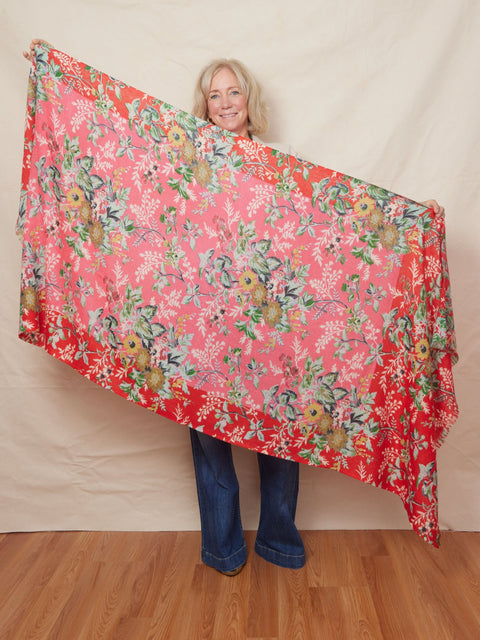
pixel 227 95
pixel 230 97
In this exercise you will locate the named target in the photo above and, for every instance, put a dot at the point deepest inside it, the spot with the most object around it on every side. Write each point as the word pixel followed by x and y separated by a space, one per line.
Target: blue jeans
pixel 223 544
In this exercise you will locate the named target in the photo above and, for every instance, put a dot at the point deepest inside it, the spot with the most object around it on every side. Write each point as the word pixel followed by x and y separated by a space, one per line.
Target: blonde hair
pixel 257 109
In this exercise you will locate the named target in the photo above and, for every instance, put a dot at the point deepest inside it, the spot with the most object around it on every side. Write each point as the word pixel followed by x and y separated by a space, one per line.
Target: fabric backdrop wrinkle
pixel 360 123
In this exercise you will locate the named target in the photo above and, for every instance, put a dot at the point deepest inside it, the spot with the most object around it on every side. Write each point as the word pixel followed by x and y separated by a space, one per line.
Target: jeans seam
pixel 285 555
pixel 223 558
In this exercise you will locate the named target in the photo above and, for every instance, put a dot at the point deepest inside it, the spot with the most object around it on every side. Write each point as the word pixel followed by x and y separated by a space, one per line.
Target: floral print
pixel 264 300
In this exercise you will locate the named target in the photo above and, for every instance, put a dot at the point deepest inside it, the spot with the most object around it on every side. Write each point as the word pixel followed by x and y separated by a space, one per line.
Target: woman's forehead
pixel 224 77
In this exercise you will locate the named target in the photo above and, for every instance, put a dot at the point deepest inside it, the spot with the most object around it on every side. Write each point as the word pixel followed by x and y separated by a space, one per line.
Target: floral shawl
pixel 264 300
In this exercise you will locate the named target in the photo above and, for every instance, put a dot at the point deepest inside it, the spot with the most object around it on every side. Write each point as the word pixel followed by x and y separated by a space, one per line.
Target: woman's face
pixel 226 104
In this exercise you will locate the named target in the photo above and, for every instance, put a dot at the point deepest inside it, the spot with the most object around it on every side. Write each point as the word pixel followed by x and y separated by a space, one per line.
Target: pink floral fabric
pixel 267 301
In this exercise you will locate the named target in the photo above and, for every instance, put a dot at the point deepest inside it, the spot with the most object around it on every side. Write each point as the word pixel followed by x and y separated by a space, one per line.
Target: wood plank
pixel 262 597
pixel 19 554
pixel 45 603
pixel 430 594
pixel 333 560
pixel 173 594
pixel 231 606
pixel 394 616
pixel 459 560
pixel 296 620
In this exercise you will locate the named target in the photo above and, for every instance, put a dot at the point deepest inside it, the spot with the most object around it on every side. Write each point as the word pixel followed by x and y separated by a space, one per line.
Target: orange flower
pixel 422 349
pixel 259 294
pixel 248 280
pixel 132 344
pixel 325 423
pixel 202 172
pixel 389 236
pixel 30 299
pixel 96 233
pixel 155 379
pixel 313 413
pixel 364 205
pixel 375 219
pixel 337 439
pixel 272 313
pixel 188 151
pixel 142 360
pixel 85 212
pixel 176 136
pixel 75 197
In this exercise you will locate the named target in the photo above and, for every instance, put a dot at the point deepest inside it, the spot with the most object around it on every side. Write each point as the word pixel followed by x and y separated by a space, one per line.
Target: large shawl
pixel 264 300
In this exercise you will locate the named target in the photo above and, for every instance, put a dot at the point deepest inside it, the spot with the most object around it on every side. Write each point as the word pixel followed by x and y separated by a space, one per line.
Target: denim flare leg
pixel 223 544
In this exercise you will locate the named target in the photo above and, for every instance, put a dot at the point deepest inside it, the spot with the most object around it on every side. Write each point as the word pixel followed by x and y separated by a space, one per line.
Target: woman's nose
pixel 225 102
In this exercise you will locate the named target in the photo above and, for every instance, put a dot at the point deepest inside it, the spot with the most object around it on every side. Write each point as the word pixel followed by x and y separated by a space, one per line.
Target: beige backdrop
pixel 385 91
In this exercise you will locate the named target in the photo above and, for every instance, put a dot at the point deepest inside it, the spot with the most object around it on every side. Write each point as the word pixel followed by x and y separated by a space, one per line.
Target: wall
pixel 384 91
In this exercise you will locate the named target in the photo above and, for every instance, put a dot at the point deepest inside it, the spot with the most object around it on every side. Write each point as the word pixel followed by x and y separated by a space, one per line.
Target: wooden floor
pixel 137 586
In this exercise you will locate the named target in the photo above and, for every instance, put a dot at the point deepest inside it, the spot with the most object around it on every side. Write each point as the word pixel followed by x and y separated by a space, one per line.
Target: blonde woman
pixel 228 95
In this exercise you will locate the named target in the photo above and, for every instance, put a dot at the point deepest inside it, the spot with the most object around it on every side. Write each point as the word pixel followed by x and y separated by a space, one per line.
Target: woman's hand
pixel 31 52
pixel 437 209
